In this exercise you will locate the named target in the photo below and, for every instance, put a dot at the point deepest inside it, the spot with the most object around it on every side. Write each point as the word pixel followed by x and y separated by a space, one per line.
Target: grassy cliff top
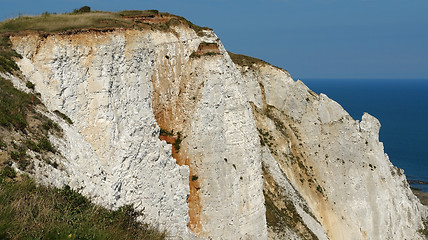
pixel 244 60
pixel 247 61
pixel 84 19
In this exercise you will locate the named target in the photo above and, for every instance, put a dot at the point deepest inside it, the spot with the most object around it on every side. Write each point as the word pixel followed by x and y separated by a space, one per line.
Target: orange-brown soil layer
pixel 194 201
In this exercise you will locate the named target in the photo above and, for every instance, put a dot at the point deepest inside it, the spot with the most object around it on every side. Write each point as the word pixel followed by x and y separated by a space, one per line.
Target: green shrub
pixel 32 145
pixel 194 177
pixel 166 132
pixel 50 125
pixel 8 172
pixel 17 155
pixel 63 116
pixel 20 157
pixel 45 144
pixel 3 145
pixel 177 142
pixel 30 85
pixel 84 9
pixel 319 189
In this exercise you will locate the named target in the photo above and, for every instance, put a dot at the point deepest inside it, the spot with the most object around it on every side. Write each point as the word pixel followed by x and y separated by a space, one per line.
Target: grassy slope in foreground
pixel 28 211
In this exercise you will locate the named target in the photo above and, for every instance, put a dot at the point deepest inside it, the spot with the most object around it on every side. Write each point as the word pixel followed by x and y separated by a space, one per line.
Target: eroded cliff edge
pixel 325 175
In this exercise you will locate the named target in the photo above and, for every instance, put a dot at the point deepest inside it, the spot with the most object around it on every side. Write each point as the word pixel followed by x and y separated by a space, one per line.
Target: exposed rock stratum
pixel 208 147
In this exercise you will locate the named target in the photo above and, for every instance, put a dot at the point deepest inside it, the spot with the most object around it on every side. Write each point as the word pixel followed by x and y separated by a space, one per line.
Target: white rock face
pixel 336 163
pixel 105 83
pixel 112 152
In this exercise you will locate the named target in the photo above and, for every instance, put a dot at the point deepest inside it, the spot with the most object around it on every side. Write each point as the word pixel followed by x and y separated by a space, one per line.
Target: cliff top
pixel 84 18
pixel 250 62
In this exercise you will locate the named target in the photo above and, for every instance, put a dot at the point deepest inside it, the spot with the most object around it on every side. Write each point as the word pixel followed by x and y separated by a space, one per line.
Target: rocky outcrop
pixel 118 88
pixel 167 122
pixel 336 163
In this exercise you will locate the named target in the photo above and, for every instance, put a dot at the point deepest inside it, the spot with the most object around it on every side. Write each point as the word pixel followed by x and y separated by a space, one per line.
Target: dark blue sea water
pixel 401 107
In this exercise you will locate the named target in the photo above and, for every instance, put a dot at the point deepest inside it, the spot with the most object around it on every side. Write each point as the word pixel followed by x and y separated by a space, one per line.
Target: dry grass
pixel 244 60
pixel 147 19
pixel 55 23
pixel 423 197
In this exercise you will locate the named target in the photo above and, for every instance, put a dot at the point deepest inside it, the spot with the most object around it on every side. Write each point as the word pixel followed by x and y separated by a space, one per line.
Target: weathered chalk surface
pixel 258 154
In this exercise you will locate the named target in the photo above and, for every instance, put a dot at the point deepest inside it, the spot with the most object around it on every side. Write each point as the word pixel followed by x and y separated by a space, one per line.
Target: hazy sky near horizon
pixel 309 38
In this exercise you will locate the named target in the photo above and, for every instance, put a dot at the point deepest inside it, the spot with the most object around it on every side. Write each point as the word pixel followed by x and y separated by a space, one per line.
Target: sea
pixel 401 106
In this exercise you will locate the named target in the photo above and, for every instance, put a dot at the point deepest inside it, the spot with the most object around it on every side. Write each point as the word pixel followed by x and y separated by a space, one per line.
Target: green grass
pixel 7 55
pixel 28 211
pixel 14 105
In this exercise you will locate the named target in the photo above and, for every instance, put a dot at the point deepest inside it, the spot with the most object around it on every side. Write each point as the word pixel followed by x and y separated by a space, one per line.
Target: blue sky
pixel 309 38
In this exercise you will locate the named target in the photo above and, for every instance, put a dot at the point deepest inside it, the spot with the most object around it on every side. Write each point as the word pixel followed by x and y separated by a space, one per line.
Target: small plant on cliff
pixel 30 85
pixel 165 132
pixel 195 177
pixel 49 124
pixel 3 145
pixel 177 142
pixel 319 189
pixel 63 116
pixel 45 144
pixel 84 9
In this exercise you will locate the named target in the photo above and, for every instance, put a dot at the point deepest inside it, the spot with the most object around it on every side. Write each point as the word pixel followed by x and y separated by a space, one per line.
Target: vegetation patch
pixel 177 142
pixel 63 116
pixel 14 105
pixel 49 124
pixel 22 128
pixel 139 13
pixel 424 231
pixel 172 138
pixel 45 144
pixel 247 61
pixel 28 211
pixel 84 9
pixel 194 177
pixel 3 145
pixel 7 55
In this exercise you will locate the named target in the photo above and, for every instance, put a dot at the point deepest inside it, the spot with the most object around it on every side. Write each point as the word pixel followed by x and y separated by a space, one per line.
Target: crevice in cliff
pixel 173 100
pixel 194 203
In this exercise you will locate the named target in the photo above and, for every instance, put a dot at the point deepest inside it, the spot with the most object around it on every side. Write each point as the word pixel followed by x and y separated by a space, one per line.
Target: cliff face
pixel 336 163
pixel 119 87
pixel 165 121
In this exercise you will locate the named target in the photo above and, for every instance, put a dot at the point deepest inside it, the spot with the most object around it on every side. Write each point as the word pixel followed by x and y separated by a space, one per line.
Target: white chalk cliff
pixel 257 155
